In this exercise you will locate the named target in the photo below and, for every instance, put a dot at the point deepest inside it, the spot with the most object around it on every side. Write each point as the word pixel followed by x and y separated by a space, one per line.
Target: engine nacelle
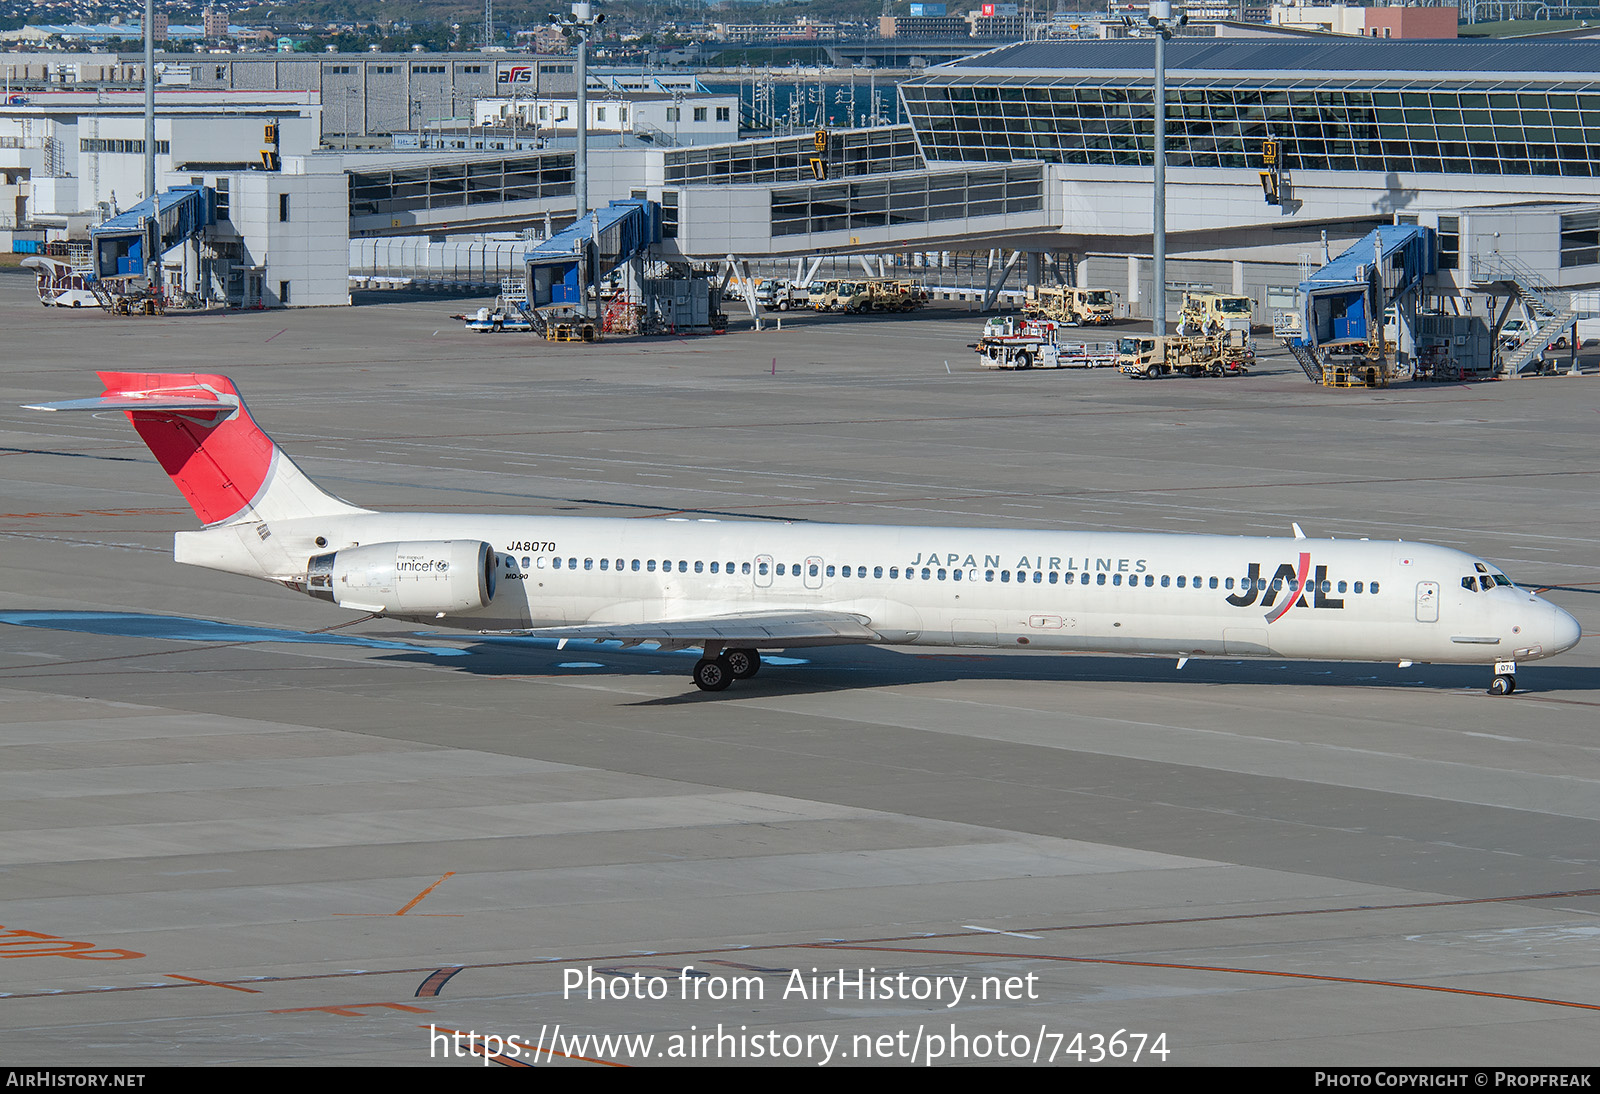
pixel 428 577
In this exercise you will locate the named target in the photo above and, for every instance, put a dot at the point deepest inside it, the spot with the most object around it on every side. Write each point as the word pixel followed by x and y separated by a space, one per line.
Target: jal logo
pixel 1289 578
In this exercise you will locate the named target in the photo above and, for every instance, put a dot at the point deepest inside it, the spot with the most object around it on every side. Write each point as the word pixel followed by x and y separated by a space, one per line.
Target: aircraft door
pixel 763 572
pixel 1427 602
pixel 813 572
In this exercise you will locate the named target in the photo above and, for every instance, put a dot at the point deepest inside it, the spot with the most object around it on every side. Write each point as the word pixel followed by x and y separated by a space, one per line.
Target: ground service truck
pixel 1072 306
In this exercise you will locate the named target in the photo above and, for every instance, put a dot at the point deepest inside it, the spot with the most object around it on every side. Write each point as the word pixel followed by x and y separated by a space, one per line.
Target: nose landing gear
pixel 1505 680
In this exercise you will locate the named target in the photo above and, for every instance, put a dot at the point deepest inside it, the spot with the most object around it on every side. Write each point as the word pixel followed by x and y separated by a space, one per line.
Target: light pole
pixel 153 260
pixel 1159 17
pixel 578 25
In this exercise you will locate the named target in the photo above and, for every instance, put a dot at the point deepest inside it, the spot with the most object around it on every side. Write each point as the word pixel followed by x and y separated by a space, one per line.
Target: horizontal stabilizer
pixel 149 403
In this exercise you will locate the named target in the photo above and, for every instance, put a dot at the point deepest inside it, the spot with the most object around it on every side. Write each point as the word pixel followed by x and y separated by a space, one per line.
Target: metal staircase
pixel 514 297
pixel 1549 307
pixel 659 137
pixel 1308 361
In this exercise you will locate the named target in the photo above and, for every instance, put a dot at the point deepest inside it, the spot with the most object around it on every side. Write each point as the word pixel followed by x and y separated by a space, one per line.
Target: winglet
pixel 1298 534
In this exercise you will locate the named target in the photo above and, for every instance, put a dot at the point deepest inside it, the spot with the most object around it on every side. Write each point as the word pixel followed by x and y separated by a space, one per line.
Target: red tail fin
pixel 203 436
pixel 215 453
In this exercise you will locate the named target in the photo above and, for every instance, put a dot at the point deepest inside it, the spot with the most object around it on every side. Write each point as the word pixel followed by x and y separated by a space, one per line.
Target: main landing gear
pixel 716 670
pixel 1505 680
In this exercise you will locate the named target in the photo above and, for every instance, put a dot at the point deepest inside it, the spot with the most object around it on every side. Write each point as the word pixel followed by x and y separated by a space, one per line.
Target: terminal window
pixel 1449 243
pixel 1580 239
pixel 669 214
pixel 876 203
pixel 786 159
pixel 121 147
pixel 447 186
pixel 1461 130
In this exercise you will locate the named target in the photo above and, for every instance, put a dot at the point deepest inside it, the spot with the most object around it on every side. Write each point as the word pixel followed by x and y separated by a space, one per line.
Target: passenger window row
pixel 931 573
pixel 646 565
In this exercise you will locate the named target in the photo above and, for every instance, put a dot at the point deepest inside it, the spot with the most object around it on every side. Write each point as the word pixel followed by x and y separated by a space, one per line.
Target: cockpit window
pixel 1488 577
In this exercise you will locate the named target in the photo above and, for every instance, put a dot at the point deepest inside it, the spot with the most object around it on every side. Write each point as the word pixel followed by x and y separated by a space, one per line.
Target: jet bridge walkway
pixel 563 269
pixel 1343 305
pixel 127 243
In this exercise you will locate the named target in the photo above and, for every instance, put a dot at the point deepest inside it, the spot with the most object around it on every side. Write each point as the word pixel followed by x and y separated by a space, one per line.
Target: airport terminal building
pixel 1042 149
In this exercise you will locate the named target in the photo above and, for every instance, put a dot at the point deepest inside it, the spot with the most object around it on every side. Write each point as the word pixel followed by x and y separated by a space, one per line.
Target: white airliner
pixel 737 587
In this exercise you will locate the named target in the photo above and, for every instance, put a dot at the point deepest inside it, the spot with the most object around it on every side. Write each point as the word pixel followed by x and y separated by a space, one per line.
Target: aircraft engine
pixel 430 577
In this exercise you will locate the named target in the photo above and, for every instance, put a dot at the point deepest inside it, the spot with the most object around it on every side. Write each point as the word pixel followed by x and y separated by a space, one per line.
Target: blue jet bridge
pixel 564 267
pixel 124 245
pixel 1342 305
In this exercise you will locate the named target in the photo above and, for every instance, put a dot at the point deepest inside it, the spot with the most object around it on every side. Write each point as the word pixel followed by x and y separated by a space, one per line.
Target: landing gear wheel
pixel 1503 685
pixel 712 675
pixel 743 664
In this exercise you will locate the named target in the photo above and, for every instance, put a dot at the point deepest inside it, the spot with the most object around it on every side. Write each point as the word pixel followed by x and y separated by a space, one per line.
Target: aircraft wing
pixel 758 630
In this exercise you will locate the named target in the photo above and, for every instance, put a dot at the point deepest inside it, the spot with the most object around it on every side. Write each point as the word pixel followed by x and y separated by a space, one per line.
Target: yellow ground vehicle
pixel 869 294
pixel 825 294
pixel 1227 354
pixel 1069 305
pixel 904 294
pixel 848 296
pixel 1210 312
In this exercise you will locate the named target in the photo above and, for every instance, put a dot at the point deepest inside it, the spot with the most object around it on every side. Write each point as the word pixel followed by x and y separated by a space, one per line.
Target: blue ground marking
pixel 183 629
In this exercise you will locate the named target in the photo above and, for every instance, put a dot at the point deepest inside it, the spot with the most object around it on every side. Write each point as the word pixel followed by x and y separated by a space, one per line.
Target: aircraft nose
pixel 1564 631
